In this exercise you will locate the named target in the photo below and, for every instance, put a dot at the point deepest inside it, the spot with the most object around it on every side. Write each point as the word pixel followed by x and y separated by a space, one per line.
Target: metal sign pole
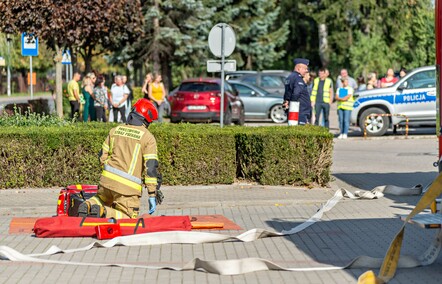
pixel 32 90
pixel 8 39
pixel 67 73
pixel 222 77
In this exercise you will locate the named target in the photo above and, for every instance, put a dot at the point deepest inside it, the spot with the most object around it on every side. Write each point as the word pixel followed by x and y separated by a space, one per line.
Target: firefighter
pixel 128 153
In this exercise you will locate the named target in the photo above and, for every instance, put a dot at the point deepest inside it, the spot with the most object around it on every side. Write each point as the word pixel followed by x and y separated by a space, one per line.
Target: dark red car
pixel 200 100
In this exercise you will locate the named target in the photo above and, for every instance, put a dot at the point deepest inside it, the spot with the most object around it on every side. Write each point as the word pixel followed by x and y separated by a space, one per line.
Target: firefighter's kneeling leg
pixel 96 205
pixel 86 209
pixel 128 205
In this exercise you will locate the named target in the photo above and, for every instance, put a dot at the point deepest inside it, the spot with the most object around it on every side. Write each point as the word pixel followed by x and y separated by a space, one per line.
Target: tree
pixel 69 23
pixel 259 36
pixel 175 33
pixel 303 39
pixel 365 34
pixel 108 26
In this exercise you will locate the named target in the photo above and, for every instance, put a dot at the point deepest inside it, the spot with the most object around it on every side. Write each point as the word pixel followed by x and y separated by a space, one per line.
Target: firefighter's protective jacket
pixel 129 159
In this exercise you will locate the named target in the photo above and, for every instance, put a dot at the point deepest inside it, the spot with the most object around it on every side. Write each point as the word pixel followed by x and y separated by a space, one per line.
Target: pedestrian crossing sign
pixel 66 59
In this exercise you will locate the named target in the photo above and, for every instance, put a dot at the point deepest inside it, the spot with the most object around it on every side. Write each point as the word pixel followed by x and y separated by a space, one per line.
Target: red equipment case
pixel 72 196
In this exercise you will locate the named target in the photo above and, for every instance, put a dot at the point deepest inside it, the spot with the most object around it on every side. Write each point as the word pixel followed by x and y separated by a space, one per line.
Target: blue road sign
pixel 29 44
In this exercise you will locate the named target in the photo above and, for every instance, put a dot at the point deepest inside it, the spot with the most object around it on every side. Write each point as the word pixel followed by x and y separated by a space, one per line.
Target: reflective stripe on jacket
pixel 326 90
pixel 124 152
pixel 348 104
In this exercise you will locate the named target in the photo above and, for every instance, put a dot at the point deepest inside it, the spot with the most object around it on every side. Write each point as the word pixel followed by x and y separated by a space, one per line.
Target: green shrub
pixel 43 156
pixel 285 155
pixel 28 118
pixel 137 93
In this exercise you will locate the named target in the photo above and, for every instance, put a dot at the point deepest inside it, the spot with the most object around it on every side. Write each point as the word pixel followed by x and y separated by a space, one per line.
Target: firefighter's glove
pixel 159 197
pixel 152 205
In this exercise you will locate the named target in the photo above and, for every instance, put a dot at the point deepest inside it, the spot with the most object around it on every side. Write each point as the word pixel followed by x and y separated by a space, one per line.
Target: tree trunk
pixel 156 37
pixel 1 83
pixel 87 61
pixel 166 74
pixel 324 52
pixel 249 62
pixel 58 81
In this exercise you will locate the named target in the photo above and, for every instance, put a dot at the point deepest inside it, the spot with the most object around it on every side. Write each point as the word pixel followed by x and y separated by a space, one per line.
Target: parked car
pixel 200 100
pixel 272 81
pixel 260 104
pixel 413 96
pixel 233 75
pixel 167 101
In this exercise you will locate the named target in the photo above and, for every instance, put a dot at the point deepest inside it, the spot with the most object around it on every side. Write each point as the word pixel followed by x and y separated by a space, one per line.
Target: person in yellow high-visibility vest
pixel 322 96
pixel 128 155
pixel 344 96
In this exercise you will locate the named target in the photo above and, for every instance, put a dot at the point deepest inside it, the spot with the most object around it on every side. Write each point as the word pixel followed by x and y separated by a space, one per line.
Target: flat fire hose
pixel 246 265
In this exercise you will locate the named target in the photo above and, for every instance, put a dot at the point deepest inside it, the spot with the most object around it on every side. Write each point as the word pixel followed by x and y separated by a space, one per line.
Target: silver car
pixel 412 97
pixel 258 103
pixel 272 81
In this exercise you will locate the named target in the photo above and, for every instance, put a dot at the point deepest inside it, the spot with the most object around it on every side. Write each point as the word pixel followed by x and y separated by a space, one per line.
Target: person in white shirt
pixel 344 75
pixel 120 93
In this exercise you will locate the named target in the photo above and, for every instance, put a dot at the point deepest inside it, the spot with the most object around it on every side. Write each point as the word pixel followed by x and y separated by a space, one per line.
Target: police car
pixel 412 97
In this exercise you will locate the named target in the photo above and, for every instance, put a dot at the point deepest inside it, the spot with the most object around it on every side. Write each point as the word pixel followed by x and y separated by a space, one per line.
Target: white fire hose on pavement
pixel 246 265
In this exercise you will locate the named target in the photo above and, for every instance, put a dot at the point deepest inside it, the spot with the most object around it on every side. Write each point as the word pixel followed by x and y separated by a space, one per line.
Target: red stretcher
pixel 63 226
pixel 66 224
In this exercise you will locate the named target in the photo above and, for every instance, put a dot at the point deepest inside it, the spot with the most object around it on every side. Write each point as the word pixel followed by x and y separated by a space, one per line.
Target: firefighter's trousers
pixel 117 206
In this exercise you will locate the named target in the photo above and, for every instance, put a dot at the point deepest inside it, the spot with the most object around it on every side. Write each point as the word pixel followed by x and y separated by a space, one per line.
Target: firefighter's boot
pixel 84 209
pixel 97 211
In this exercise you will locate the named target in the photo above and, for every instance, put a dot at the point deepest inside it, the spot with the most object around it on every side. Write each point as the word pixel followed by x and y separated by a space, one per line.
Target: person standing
pixel 344 96
pixel 322 97
pixel 157 94
pixel 100 102
pixel 74 95
pixel 296 90
pixel 361 83
pixel 86 90
pixel 129 153
pixel 145 89
pixel 402 72
pixel 372 81
pixel 120 92
pixel 92 114
pixel 389 80
pixel 131 95
pixel 351 82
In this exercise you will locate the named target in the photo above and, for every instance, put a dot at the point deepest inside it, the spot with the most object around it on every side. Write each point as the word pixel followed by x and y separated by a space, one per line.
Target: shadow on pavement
pixel 368 181
pixel 338 242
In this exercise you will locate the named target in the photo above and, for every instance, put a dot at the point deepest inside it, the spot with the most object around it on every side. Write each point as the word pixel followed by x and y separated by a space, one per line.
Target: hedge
pixel 189 154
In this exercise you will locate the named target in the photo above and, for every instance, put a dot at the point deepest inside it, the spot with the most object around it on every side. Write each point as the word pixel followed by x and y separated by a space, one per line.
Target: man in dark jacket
pixel 296 90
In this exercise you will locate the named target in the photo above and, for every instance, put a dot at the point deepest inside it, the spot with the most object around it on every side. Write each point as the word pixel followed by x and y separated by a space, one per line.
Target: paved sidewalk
pixel 352 228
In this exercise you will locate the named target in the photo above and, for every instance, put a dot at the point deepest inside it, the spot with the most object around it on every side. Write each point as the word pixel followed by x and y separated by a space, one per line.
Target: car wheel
pixel 228 117
pixel 375 125
pixel 278 114
pixel 242 117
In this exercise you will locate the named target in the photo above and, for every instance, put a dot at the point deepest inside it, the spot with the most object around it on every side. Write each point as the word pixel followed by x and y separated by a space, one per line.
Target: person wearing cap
pixel 129 159
pixel 296 90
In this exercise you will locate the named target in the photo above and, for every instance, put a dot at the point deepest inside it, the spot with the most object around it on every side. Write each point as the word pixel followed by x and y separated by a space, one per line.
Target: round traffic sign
pixel 215 38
